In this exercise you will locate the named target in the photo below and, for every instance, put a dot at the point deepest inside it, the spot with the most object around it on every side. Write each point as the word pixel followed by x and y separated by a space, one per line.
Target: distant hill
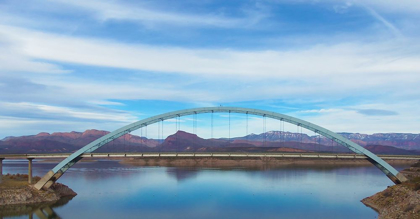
pixel 400 140
pixel 64 142
pixel 187 142
pixel 381 149
pixel 273 141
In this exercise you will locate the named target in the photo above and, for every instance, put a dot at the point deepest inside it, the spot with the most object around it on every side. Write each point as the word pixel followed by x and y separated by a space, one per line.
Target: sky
pixel 72 65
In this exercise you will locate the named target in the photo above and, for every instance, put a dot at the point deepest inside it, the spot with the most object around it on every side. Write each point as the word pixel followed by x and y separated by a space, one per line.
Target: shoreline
pixel 16 191
pixel 249 162
pixel 399 201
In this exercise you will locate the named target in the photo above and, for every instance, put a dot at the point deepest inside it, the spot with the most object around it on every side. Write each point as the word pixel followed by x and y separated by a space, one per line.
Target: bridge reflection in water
pixel 175 155
pixel 41 211
pixel 162 192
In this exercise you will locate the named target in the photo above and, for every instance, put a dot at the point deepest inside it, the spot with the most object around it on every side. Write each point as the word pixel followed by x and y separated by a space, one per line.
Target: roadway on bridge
pixel 215 154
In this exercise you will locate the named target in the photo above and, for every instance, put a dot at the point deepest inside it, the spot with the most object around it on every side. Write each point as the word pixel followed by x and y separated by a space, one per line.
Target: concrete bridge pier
pixel 30 170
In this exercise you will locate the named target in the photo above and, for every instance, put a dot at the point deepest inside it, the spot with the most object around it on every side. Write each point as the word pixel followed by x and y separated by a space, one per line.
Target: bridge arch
pixel 54 174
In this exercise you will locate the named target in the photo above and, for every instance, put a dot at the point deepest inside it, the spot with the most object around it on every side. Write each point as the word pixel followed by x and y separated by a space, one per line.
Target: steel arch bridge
pixel 54 174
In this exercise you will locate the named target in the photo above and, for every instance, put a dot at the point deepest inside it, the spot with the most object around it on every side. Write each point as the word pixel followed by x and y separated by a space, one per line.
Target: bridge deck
pixel 216 154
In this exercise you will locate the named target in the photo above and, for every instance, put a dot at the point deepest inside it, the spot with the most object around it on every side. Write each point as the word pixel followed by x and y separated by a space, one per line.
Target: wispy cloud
pixel 13 60
pixel 43 111
pixel 377 112
pixel 144 13
pixel 380 18
pixel 403 6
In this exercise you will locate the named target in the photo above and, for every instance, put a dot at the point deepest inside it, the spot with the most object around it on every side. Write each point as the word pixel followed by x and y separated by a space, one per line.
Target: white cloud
pixel 321 71
pixel 349 119
pixel 64 113
pixel 385 71
pixel 318 111
pixel 143 12
pixel 13 60
pixel 345 59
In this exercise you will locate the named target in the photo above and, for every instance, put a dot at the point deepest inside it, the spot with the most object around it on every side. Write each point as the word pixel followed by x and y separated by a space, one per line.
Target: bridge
pixel 183 155
pixel 209 154
pixel 53 175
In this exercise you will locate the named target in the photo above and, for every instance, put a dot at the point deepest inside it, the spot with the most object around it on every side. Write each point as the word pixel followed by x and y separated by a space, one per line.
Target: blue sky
pixel 350 66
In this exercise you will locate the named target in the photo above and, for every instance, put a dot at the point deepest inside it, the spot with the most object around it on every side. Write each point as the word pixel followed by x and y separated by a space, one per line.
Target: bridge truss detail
pixel 54 174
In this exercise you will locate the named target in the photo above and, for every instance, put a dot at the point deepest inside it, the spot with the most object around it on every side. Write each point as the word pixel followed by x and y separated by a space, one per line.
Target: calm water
pixel 107 189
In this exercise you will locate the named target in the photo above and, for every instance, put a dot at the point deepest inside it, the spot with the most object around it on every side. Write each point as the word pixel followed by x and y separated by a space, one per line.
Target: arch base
pixel 47 180
pixel 400 178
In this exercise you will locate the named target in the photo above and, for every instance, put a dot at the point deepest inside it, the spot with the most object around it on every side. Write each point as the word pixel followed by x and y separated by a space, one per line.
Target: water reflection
pixel 183 173
pixel 43 210
pixel 108 189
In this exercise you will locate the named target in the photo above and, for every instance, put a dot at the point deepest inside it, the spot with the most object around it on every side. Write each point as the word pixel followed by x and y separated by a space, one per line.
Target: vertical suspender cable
pixel 113 145
pixel 301 136
pixel 124 146
pixel 196 128
pixel 146 139
pixel 176 138
pixel 320 142
pixel 264 130
pixel 229 127
pixel 177 131
pixel 279 133
pixel 141 135
pixel 297 133
pixel 212 128
pixel 158 137
pixel 282 132
pixel 246 134
pixel 158 132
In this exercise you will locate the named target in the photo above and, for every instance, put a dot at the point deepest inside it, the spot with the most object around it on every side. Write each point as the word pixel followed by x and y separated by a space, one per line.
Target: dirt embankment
pixel 14 189
pixel 399 201
pixel 251 161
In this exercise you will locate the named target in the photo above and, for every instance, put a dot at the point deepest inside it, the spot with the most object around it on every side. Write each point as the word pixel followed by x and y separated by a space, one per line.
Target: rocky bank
pixel 13 190
pixel 399 201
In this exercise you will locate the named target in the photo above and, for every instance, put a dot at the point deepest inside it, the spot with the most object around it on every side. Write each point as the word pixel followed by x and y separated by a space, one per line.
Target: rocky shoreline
pixel 15 191
pixel 399 201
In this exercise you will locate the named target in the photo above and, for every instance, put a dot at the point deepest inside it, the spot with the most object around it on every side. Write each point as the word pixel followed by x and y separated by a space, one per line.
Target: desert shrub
pixel 387 193
pixel 415 180
pixel 416 164
pixel 36 178
pixel 416 187
pixel 409 208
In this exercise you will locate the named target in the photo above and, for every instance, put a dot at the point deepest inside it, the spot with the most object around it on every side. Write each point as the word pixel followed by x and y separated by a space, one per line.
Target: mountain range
pixel 272 141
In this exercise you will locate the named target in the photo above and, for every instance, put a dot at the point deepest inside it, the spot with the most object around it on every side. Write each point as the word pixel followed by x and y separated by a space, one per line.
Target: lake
pixel 108 189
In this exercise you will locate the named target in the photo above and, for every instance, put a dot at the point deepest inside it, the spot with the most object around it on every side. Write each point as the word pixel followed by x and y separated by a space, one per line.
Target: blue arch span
pixel 54 174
